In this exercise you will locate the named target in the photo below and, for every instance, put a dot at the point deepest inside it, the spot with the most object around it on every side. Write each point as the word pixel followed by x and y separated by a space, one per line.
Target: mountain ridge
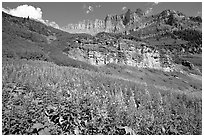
pixel 153 33
pixel 125 22
pixel 145 80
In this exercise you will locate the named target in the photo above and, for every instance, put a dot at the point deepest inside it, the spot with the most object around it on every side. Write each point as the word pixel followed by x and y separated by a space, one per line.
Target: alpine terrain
pixel 128 74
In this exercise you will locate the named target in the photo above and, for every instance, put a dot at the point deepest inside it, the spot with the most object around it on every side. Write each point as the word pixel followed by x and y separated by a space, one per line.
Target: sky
pixel 63 13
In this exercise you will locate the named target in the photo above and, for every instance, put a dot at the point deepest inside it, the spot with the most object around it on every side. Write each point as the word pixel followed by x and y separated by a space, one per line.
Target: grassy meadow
pixel 43 98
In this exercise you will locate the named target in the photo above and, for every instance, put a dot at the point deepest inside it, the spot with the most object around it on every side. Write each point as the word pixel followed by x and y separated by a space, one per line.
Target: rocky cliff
pixel 111 23
pixel 124 52
pixel 134 21
pixel 152 43
pixel 86 26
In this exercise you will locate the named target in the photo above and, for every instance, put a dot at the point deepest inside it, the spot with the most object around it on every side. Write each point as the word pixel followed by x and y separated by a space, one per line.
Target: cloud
pixel 25 11
pixel 87 11
pixel 124 8
pixel 90 9
pixel 32 12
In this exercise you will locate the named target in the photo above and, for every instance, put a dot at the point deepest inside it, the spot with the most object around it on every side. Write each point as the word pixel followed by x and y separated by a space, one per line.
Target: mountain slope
pixel 50 99
pixel 168 24
pixel 54 82
pixel 24 38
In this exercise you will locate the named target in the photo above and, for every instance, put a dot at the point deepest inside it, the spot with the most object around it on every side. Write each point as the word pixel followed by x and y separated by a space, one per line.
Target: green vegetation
pixel 127 17
pixel 195 59
pixel 194 37
pixel 69 96
pixel 196 19
pixel 42 98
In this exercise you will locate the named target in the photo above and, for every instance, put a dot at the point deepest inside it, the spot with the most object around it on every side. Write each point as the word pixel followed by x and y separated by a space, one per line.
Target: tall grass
pixel 98 103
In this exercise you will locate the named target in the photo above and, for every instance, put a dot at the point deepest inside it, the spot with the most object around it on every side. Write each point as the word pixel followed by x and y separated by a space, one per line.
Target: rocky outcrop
pixel 114 24
pixel 132 21
pixel 90 27
pixel 124 52
pixel 111 23
pixel 170 30
pixel 86 26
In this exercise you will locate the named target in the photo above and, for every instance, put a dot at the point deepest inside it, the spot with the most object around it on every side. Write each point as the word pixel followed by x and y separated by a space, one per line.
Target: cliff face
pixel 123 23
pixel 114 24
pixel 111 23
pixel 137 21
pixel 90 27
pixel 124 52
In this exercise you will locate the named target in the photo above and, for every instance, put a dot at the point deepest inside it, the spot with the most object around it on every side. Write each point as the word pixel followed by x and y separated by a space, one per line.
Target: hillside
pixel 169 25
pixel 24 38
pixel 34 40
pixel 145 80
pixel 43 98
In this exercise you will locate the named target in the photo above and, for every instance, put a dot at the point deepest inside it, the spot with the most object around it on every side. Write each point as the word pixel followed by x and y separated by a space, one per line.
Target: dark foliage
pixel 127 17
pixel 196 19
